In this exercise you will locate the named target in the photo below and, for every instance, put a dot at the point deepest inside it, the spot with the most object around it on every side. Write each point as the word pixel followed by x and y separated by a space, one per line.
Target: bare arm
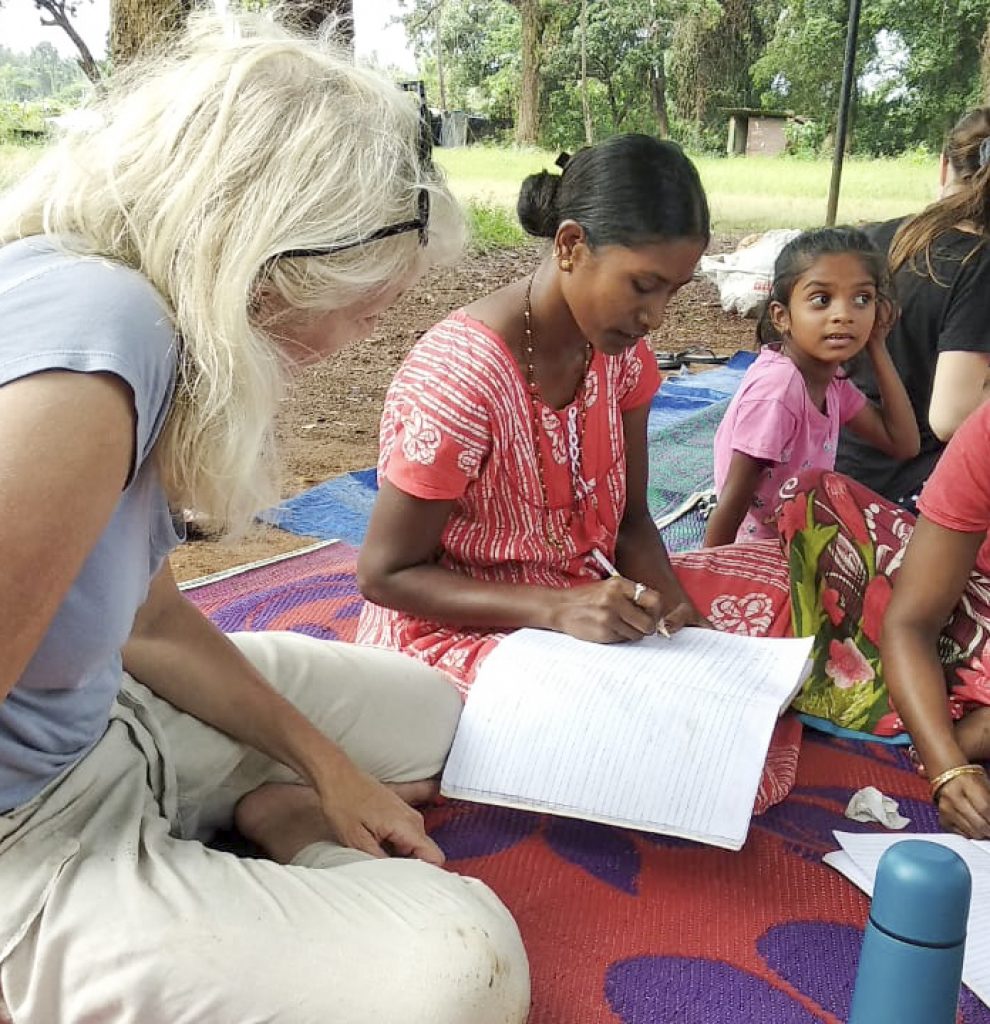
pixel 931 581
pixel 67 448
pixel 398 568
pixel 891 426
pixel 180 655
pixel 734 500
pixel 960 386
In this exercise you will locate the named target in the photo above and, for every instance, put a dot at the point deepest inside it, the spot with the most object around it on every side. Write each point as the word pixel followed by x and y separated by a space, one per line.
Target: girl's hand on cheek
pixel 885 319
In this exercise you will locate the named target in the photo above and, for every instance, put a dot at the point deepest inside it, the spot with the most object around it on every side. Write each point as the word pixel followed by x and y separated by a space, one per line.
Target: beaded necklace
pixel 577 417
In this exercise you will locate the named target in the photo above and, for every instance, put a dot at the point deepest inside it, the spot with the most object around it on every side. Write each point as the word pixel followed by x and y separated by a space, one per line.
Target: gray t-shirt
pixel 59 311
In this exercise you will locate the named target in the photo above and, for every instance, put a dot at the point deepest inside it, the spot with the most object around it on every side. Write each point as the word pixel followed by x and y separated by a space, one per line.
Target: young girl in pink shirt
pixel 832 296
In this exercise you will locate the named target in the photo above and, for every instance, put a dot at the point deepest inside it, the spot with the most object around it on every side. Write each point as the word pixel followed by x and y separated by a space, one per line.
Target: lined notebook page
pixel 664 735
pixel 858 861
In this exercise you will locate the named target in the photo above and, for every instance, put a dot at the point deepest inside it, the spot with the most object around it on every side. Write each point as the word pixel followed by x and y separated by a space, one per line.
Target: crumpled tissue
pixel 869 804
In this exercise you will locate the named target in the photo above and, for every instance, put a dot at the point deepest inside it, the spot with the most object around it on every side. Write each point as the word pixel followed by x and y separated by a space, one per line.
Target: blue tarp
pixel 339 508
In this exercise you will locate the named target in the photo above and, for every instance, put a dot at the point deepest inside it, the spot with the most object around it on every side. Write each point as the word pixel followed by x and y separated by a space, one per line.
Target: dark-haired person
pixel 513 441
pixel 941 343
pixel 831 298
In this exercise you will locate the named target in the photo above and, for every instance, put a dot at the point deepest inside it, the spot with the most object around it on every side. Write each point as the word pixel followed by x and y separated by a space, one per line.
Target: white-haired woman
pixel 245 207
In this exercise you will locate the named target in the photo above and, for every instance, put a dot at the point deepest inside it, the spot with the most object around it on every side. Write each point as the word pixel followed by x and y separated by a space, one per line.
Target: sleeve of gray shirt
pixel 60 311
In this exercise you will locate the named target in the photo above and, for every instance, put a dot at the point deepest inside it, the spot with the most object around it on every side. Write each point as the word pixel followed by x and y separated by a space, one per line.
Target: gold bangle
pixel 953 773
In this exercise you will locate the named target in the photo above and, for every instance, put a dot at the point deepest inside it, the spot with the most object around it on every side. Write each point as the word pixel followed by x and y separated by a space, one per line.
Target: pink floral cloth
pixel 844 546
pixel 458 426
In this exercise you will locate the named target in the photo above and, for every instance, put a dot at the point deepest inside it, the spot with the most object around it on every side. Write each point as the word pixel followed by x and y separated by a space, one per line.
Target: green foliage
pixel 712 48
pixel 479 42
pixel 23 122
pixel 493 226
pixel 42 73
pixel 918 67
pixel 805 139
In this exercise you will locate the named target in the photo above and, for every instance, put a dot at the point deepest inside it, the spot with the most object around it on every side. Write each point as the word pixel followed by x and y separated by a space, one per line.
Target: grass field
pixel 15 160
pixel 745 193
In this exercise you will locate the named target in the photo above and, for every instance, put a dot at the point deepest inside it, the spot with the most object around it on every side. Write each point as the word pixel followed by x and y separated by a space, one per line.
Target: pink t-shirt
pixel 957 494
pixel 772 418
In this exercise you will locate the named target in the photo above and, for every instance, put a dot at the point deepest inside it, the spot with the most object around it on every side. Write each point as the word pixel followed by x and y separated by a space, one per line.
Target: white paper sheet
pixel 858 861
pixel 664 735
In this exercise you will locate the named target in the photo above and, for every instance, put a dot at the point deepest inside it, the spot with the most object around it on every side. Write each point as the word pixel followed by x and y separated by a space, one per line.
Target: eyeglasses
pixel 420 224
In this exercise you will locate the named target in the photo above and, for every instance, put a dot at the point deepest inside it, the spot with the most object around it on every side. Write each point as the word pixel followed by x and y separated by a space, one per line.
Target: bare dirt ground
pixel 329 422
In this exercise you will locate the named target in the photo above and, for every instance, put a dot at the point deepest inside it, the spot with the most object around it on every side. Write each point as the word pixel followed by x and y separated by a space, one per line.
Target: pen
pixel 610 570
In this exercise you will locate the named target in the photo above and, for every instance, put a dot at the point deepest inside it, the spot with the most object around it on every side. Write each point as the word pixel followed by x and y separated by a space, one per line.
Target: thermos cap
pixel 921 894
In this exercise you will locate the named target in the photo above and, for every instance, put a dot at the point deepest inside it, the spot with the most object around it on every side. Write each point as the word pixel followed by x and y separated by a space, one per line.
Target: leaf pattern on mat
pixel 815 958
pixel 649 989
pixel 820 959
pixel 608 854
pixel 806 824
pixel 478 832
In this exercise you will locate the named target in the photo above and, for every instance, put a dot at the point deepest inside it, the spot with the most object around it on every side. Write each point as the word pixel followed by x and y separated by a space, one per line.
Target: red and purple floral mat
pixel 628 928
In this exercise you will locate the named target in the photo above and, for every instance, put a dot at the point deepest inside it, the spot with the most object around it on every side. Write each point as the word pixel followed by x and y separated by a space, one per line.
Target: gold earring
pixel 566 264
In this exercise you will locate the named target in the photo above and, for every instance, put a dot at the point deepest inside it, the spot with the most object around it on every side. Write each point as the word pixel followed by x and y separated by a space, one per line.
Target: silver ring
pixel 638 592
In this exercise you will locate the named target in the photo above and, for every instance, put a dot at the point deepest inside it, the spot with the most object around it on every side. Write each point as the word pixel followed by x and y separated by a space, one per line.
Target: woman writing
pixel 245 207
pixel 513 457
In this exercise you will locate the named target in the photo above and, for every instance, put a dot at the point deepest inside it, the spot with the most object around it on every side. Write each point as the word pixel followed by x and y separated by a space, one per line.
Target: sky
pixel 20 29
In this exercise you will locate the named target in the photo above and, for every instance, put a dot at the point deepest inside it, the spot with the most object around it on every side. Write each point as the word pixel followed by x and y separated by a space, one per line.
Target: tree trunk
pixel 589 135
pixel 60 17
pixel 528 122
pixel 441 83
pixel 309 15
pixel 143 26
pixel 613 105
pixel 985 66
pixel 658 97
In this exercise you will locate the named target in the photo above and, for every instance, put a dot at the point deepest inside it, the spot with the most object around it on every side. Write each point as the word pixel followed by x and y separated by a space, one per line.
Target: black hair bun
pixel 537 206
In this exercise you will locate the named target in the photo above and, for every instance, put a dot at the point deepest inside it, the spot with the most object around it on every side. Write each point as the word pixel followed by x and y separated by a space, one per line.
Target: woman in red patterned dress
pixel 513 443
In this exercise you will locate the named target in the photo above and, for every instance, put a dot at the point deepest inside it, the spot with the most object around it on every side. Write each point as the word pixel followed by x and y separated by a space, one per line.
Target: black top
pixel 950 316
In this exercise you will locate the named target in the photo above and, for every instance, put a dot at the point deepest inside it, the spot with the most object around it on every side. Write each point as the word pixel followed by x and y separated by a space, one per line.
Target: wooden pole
pixel 845 99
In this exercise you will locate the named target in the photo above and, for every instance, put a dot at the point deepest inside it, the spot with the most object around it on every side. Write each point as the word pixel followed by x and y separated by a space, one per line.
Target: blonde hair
pixel 243 142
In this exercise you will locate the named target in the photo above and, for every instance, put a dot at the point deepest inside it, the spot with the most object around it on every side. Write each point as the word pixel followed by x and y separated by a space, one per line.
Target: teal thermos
pixel 910 966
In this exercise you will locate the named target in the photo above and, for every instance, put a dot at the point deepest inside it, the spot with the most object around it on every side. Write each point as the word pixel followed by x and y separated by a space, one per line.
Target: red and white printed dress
pixel 458 425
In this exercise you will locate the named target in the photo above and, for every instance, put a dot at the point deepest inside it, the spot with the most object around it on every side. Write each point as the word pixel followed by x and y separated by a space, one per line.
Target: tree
pixel 985 67
pixel 476 44
pixel 918 66
pixel 533 20
pixel 711 53
pixel 142 26
pixel 59 15
pixel 310 15
pixel 589 133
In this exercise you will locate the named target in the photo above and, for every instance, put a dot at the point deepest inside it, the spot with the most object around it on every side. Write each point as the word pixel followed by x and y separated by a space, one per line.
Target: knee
pixel 471 964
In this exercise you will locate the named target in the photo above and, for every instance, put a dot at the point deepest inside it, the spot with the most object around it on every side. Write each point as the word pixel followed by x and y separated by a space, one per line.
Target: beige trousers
pixel 112 911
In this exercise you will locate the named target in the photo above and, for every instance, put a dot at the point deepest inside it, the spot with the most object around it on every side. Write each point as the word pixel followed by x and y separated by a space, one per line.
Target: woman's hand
pixel 366 815
pixel 964 806
pixel 684 614
pixel 607 613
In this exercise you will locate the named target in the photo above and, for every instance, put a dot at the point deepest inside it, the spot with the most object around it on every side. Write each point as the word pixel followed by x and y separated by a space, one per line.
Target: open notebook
pixel 663 735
